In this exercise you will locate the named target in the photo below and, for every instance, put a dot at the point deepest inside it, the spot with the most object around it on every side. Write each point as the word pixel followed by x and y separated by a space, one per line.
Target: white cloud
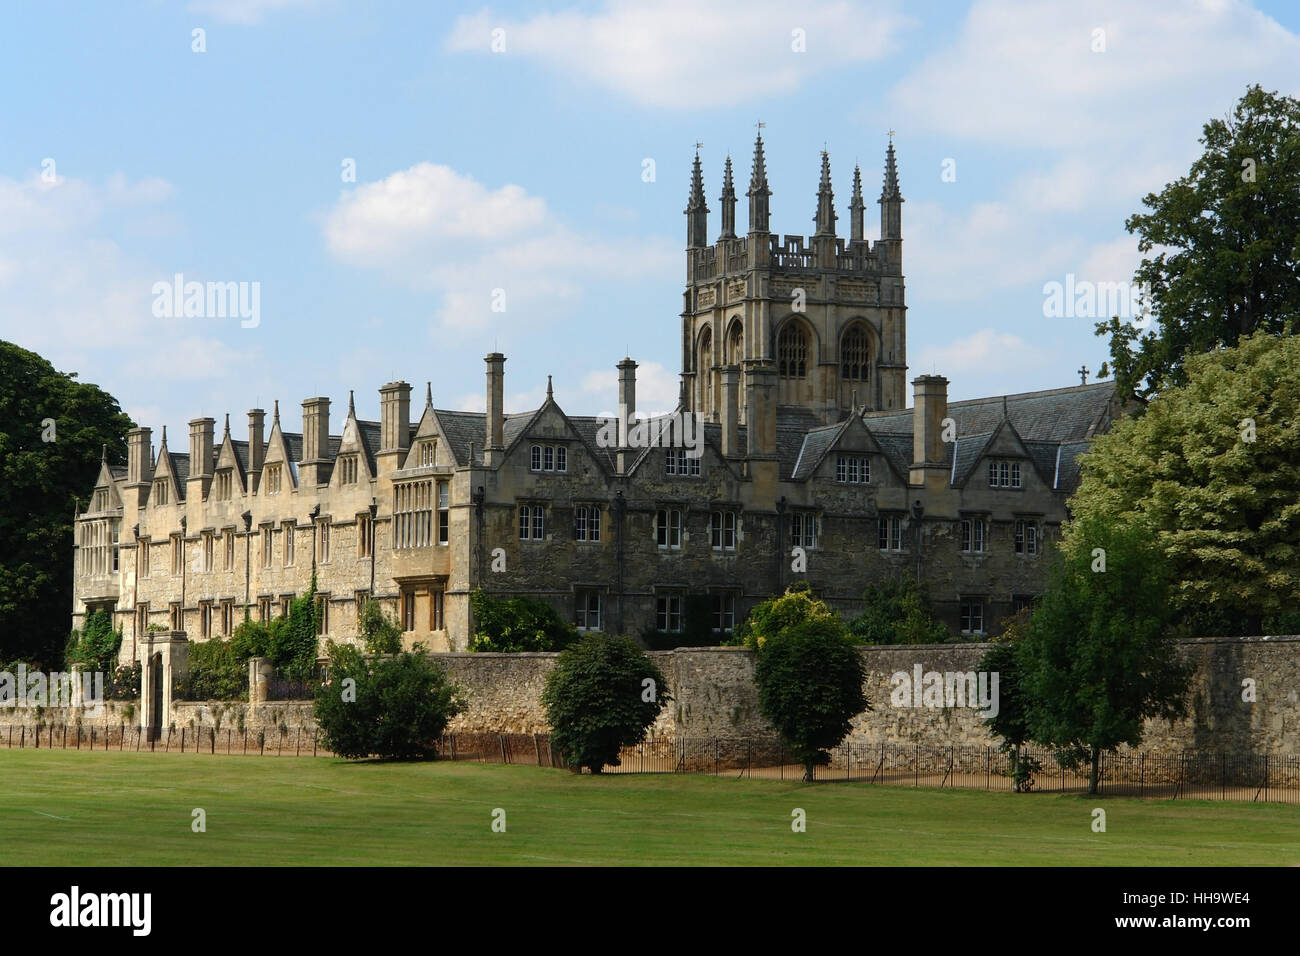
pixel 686 55
pixel 1023 73
pixel 247 12
pixel 657 389
pixel 986 353
pixel 495 256
pixel 84 301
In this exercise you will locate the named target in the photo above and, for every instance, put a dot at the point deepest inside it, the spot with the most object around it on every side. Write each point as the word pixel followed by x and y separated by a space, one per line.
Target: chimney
pixel 494 420
pixel 139 456
pixel 200 458
pixel 201 447
pixel 315 441
pixel 394 426
pixel 760 425
pixel 626 412
pixel 929 456
pixel 256 445
pixel 731 412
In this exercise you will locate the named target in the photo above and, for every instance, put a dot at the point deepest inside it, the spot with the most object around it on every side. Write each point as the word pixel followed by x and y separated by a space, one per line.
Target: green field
pixel 134 809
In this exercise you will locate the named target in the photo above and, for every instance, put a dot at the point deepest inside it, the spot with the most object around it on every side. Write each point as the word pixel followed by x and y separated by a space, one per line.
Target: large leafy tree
pixel 1096 659
pixel 44 471
pixel 898 612
pixel 772 616
pixel 602 695
pixel 396 707
pixel 512 625
pixel 809 674
pixel 1221 245
pixel 1212 468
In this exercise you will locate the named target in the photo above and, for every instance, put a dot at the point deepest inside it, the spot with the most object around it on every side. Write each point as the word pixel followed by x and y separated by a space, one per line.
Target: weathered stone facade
pixel 807 468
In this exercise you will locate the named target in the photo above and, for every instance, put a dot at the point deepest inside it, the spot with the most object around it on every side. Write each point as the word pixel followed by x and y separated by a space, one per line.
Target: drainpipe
pixel 248 567
pixel 135 594
pixel 780 546
pixel 917 510
pixel 374 510
pixel 620 509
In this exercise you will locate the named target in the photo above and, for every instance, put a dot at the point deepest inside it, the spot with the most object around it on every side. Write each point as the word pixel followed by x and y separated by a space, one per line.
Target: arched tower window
pixel 735 345
pixel 855 355
pixel 792 351
pixel 704 368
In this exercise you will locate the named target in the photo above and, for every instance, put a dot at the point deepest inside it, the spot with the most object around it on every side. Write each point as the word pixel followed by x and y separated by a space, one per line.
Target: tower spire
pixel 891 200
pixel 758 189
pixel 728 204
pixel 825 217
pixel 697 210
pixel 856 207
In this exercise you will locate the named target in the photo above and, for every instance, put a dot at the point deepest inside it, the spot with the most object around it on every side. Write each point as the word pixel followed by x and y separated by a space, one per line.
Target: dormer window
pixel 428 452
pixel 101 500
pixel 1004 474
pixel 853 469
pixel 549 458
pixel 274 474
pixel 160 492
pixel 224 483
pixel 348 470
pixel 678 462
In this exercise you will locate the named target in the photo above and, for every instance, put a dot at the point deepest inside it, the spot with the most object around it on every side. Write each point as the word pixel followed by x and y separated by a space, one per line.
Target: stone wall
pixel 713 696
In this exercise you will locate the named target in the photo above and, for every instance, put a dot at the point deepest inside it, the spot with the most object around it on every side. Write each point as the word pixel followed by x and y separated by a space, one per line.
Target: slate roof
pixel 1055 415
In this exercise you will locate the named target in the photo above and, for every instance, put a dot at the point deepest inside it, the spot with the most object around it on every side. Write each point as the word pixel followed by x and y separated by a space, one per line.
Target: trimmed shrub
pixel 395 707
pixel 602 696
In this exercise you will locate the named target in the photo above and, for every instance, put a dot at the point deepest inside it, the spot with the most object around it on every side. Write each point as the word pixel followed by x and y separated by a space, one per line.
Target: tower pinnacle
pixel 758 189
pixel 728 204
pixel 825 217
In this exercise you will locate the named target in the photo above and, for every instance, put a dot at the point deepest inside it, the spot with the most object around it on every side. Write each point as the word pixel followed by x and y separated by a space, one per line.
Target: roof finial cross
pixel 1083 374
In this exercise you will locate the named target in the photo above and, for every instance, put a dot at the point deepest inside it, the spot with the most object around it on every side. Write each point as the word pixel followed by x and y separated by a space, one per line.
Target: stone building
pixel 791 456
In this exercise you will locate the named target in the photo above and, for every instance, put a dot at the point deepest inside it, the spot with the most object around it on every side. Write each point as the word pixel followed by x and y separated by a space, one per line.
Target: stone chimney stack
pixel 201 447
pixel 495 419
pixel 139 456
pixel 314 467
pixel 394 426
pixel 256 445
pixel 626 412
pixel 731 412
pixel 200 458
pixel 760 425
pixel 929 456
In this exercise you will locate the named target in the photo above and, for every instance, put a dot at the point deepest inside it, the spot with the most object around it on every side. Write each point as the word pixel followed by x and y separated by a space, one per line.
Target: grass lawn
pixel 135 809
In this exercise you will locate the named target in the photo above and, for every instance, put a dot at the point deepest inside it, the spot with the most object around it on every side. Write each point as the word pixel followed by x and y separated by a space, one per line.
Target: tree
pixel 395 707
pixel 1096 660
pixel 1212 469
pixel 1228 241
pixel 251 639
pixel 53 430
pixel 294 637
pixel 898 612
pixel 517 624
pixel 95 646
pixel 381 633
pixel 1011 722
pixel 772 616
pixel 602 695
pixel 809 676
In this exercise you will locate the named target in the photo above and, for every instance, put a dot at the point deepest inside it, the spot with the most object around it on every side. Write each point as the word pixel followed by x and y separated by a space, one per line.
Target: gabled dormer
pixel 999 461
pixel 229 481
pixel 429 445
pixel 352 465
pixel 279 471
pixel 168 486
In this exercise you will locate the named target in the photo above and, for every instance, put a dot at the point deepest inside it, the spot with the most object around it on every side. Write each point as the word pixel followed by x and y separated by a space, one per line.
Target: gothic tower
pixel 826 314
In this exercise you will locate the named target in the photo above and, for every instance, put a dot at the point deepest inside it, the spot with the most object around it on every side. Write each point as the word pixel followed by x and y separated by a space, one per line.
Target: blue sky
pixel 522 170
